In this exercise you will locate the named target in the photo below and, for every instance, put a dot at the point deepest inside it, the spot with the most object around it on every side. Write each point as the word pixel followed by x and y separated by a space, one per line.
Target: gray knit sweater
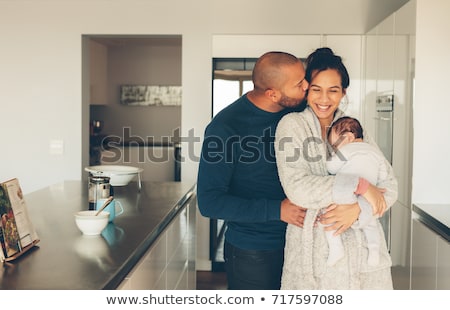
pixel 301 159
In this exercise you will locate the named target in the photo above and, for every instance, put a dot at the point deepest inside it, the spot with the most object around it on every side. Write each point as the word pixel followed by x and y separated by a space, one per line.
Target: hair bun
pixel 323 58
pixel 324 50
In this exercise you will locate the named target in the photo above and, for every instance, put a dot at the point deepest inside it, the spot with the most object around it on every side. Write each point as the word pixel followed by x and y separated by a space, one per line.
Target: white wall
pixel 431 165
pixel 40 80
pixel 140 65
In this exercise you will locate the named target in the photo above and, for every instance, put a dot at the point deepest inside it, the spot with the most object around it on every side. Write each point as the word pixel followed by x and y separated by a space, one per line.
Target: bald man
pixel 238 180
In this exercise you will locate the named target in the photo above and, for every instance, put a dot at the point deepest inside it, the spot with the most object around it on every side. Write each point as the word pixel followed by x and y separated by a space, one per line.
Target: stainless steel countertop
pixel 435 216
pixel 65 259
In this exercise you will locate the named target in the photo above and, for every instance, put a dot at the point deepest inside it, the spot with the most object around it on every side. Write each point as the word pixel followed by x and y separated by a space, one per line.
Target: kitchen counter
pixel 435 216
pixel 65 259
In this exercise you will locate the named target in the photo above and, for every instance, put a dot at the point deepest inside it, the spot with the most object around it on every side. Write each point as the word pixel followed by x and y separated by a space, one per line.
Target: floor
pixel 215 279
pixel 208 280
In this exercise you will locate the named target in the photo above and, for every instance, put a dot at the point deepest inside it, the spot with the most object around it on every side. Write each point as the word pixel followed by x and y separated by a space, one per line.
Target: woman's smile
pixel 323 108
pixel 325 94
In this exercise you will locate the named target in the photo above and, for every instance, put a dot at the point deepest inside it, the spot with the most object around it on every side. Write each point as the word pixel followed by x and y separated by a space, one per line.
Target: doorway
pixel 232 77
pixel 110 62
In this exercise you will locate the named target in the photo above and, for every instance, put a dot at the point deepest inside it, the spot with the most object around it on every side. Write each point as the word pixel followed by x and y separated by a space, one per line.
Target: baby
pixel 354 156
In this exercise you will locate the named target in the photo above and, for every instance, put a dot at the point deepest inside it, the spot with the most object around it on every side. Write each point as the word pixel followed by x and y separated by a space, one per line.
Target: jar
pixel 98 188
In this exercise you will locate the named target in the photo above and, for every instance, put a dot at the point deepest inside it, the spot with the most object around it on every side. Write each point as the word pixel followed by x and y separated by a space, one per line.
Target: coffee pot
pixel 98 188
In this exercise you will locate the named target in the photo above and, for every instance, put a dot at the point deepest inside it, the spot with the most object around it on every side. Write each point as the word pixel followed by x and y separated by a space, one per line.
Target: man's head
pixel 280 78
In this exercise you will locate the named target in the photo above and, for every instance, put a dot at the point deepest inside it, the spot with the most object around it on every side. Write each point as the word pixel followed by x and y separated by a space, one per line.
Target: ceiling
pixel 373 11
pixel 333 17
pixel 322 17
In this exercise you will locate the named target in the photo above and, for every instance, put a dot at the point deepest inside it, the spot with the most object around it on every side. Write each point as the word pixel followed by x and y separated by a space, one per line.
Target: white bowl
pixel 89 223
pixel 120 175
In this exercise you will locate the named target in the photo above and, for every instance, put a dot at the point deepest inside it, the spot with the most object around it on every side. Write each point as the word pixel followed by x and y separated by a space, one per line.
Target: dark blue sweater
pixel 238 179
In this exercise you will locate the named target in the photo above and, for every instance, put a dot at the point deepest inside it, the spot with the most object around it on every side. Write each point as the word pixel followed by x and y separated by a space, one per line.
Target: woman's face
pixel 324 94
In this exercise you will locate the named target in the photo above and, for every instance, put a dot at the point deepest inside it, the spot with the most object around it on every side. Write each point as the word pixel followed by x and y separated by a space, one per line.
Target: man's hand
pixel 291 213
pixel 340 217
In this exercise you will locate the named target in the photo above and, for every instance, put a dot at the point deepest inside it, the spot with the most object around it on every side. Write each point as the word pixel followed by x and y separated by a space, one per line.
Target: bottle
pixel 98 188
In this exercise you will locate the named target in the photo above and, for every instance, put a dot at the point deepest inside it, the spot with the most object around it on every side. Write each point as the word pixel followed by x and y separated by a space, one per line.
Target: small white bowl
pixel 89 223
pixel 120 175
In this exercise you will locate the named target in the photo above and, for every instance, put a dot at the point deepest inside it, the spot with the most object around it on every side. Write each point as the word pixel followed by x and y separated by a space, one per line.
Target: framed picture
pixel 150 95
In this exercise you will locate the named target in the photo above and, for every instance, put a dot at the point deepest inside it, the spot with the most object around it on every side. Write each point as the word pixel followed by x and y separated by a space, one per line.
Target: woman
pixel 301 151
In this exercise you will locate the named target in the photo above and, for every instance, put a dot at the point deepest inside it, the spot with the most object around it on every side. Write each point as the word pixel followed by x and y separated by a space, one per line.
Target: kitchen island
pixel 430 255
pixel 155 237
pixel 436 216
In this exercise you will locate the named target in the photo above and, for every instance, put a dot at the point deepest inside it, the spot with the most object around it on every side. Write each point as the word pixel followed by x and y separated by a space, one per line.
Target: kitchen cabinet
pixel 168 264
pixel 403 84
pixel 430 259
pixel 385 50
pixel 350 48
pixel 423 257
pixel 98 73
pixel 389 69
pixel 370 82
pixel 443 264
pixel 401 245
pixel 224 46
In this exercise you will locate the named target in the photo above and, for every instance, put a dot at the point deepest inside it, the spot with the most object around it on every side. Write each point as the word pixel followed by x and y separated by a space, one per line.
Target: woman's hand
pixel 340 217
pixel 374 195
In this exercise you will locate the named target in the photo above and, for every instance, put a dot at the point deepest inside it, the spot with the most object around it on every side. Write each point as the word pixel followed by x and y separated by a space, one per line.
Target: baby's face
pixel 338 141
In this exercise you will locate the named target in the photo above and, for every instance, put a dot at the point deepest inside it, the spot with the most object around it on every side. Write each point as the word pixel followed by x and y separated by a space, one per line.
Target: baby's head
pixel 343 131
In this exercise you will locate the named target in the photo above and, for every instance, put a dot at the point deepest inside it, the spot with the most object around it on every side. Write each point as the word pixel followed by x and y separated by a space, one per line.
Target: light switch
pixel 56 147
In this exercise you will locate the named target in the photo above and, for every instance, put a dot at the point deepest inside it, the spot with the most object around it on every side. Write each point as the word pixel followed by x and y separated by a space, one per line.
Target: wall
pixel 431 166
pixel 41 76
pixel 140 64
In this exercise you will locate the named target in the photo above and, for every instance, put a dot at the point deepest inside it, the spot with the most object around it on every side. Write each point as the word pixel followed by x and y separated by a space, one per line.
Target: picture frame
pixel 150 95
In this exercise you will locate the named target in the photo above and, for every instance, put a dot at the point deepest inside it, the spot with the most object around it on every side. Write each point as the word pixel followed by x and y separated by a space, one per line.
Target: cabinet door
pixel 443 264
pixel 385 49
pixel 349 48
pixel 370 84
pixel 150 272
pixel 400 245
pixel 170 263
pixel 177 250
pixel 192 243
pixel 423 259
pixel 238 46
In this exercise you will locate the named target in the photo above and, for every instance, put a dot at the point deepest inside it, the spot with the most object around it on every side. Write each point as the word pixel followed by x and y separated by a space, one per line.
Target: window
pixel 232 77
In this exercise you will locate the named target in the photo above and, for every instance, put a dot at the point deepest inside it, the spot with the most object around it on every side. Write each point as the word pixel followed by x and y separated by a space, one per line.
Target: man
pixel 238 180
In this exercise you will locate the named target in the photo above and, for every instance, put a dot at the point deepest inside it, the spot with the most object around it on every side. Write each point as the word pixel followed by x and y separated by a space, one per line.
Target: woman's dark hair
pixel 323 59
